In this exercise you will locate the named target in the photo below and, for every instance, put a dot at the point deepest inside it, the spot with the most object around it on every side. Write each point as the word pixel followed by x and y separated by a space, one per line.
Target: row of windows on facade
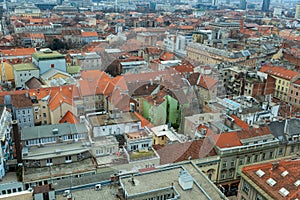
pixel 9 191
pixel 29 74
pixel 53 139
pixel 105 150
pixel 246 190
pixel 136 146
pixel 45 182
pixel 255 157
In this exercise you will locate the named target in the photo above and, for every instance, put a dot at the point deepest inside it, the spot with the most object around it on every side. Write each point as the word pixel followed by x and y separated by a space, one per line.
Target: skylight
pixel 271 182
pixel 297 183
pixel 284 192
pixel 283 174
pixel 260 173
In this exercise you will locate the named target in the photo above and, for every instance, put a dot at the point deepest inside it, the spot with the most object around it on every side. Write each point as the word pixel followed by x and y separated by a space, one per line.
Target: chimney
pixel 17 140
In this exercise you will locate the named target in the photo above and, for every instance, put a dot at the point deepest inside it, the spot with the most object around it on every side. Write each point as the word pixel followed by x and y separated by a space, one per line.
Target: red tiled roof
pixel 57 95
pixel 69 117
pixel 18 52
pixel 166 56
pixel 94 82
pixel 184 151
pixel 233 139
pixel 89 34
pixel 206 82
pixel 280 72
pixel 144 121
pixel 240 122
pixel 274 170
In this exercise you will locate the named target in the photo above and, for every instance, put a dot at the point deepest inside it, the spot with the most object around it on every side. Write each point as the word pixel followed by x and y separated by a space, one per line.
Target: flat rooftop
pixel 152 181
pixel 102 120
pixel 33 174
pixel 47 54
pixel 54 150
pixel 106 192
pixel 25 67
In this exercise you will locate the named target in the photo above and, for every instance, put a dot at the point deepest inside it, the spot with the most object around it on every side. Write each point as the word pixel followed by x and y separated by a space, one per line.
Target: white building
pixel 23 72
pixel 120 123
pixel 5 129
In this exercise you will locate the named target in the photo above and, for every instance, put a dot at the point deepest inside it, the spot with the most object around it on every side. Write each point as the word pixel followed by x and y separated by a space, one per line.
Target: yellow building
pixel 9 72
pixel 283 79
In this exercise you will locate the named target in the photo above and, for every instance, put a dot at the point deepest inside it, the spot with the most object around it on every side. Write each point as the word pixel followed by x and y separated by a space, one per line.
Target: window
pixel 241 161
pixel 68 159
pixel 271 154
pixel 246 187
pixel 44 115
pixel 255 158
pixel 292 149
pixel 248 159
pixel 224 164
pixel 259 197
pixel 232 163
pixel 263 157
pixel 280 151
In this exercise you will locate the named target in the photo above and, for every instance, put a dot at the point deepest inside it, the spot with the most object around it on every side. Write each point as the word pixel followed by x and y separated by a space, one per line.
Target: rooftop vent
pixel 260 173
pixel 185 180
pixel 284 192
pixel 271 182
pixel 283 174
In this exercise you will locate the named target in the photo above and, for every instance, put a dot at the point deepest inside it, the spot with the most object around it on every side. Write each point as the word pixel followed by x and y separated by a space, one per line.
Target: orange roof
pixel 144 121
pixel 35 20
pixel 18 52
pixel 233 139
pixel 94 82
pixel 166 56
pixel 89 34
pixel 240 122
pixel 8 71
pixel 186 27
pixel 275 171
pixel 206 82
pixel 36 35
pixel 280 72
pixel 69 118
pixel 56 95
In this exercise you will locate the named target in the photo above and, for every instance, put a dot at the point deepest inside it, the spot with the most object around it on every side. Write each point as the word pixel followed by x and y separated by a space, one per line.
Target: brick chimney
pixel 17 140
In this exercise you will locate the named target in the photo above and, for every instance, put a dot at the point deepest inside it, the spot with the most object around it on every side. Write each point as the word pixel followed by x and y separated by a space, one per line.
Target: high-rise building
pixel 243 4
pixel 297 14
pixel 266 5
pixel 214 2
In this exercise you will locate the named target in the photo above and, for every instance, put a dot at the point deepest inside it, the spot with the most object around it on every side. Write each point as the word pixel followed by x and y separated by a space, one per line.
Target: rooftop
pixel 31 174
pixel 102 120
pixel 278 179
pixel 47 54
pixel 54 150
pixel 152 182
pixel 25 67
pixel 47 130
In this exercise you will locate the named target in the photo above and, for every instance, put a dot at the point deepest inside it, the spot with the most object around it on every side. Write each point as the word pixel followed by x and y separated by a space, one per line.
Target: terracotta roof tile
pixel 184 151
pixel 281 72
pixel 89 34
pixel 274 170
pixel 69 117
